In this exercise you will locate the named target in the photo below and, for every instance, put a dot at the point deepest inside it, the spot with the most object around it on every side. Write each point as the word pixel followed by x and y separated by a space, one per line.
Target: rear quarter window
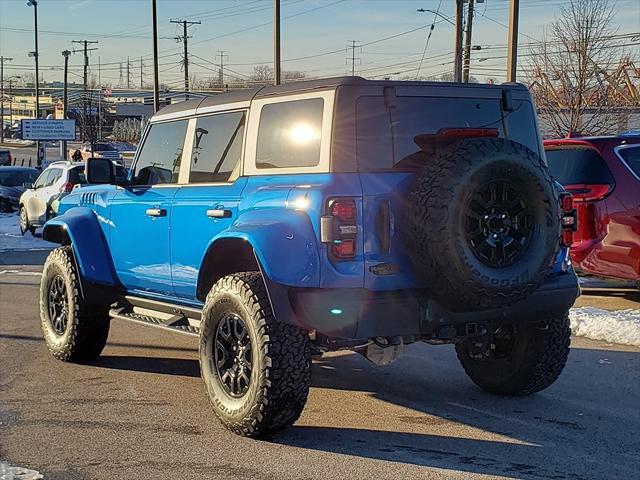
pixel 289 134
pixel 573 165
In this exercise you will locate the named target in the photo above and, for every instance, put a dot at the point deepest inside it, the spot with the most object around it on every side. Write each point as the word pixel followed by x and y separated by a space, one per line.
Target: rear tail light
pixel 583 193
pixel 67 187
pixel 569 219
pixel 339 228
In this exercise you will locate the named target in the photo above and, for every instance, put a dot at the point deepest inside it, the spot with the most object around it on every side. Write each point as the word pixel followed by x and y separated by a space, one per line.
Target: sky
pixel 315 35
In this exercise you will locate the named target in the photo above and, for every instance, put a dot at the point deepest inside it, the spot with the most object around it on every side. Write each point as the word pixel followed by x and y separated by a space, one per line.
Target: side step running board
pixel 177 323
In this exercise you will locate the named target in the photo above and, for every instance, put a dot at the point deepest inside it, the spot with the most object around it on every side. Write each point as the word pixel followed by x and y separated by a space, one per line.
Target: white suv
pixel 57 179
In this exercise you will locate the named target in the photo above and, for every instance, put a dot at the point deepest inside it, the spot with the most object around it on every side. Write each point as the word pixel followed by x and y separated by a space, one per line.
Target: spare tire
pixel 483 224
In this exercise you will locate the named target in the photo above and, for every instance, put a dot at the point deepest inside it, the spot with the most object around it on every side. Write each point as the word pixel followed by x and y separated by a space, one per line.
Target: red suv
pixel 603 174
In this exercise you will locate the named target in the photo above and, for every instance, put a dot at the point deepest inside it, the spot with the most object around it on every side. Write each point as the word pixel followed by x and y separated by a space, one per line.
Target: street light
pixel 34 4
pixel 437 14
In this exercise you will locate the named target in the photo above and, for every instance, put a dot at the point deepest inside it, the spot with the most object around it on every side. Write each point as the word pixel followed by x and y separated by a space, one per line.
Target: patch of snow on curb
pixel 620 326
pixel 12 239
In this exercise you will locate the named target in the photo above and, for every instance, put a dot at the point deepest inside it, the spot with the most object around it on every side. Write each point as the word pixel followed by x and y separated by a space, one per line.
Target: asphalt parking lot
pixel 140 412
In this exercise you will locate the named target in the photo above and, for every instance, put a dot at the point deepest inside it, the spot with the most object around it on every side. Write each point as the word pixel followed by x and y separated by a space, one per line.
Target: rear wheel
pixel 74 330
pixel 256 370
pixel 524 359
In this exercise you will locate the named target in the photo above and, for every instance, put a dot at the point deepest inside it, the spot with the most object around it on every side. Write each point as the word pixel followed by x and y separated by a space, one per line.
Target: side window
pixel 289 134
pixel 631 157
pixel 161 154
pixel 42 179
pixel 53 177
pixel 217 147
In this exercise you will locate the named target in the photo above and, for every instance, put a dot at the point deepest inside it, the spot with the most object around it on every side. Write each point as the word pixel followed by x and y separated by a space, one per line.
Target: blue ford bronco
pixel 283 222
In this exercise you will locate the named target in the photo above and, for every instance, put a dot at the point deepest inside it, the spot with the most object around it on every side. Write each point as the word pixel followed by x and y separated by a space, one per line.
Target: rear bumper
pixel 361 313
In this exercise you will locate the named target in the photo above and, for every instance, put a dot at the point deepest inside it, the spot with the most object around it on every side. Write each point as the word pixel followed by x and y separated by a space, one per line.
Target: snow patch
pixel 7 472
pixel 12 239
pixel 620 326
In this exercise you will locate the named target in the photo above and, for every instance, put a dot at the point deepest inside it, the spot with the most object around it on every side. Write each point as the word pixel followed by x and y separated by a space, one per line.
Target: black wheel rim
pixel 232 356
pixel 58 305
pixel 498 224
pixel 504 342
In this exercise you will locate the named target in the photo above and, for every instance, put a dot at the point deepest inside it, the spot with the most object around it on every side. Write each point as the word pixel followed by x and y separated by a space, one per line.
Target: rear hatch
pixel 400 129
pixel 582 171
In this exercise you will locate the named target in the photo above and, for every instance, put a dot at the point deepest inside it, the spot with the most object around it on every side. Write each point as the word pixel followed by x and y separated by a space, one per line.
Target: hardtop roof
pixel 248 94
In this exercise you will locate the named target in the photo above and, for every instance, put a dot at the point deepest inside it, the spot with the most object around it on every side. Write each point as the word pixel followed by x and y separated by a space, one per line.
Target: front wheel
pixel 24 222
pixel 256 370
pixel 74 330
pixel 525 358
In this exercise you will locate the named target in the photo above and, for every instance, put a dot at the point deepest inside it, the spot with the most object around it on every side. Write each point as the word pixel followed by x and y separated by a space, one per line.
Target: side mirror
pixel 100 170
pixel 27 185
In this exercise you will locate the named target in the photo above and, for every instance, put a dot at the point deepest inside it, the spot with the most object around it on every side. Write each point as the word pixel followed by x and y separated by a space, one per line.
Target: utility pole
pixel 467 43
pixel 156 79
pixel 85 50
pixel 222 54
pixel 128 74
pixel 353 45
pixel 141 74
pixel 276 42
pixel 457 64
pixel 2 60
pixel 512 56
pixel 185 39
pixel 34 4
pixel 65 101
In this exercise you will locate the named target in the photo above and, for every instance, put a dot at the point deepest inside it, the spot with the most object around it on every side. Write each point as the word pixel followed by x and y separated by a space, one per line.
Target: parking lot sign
pixel 48 129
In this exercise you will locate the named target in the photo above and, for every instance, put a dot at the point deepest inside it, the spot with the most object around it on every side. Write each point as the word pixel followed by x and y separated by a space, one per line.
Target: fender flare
pixel 80 228
pixel 284 243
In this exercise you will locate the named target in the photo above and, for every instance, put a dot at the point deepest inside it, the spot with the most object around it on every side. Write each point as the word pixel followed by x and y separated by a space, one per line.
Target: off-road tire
pixel 281 359
pixel 87 325
pixel 435 233
pixel 24 222
pixel 537 360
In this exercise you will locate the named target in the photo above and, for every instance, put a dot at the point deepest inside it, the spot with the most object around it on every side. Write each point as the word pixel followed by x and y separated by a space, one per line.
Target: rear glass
pixel 405 135
pixel 578 165
pixel 631 157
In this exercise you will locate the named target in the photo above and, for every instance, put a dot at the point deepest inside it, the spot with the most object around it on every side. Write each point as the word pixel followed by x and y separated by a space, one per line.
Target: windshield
pixel 405 135
pixel 16 178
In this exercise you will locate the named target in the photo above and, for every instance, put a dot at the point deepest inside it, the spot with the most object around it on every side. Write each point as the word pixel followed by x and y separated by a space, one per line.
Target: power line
pixel 433 25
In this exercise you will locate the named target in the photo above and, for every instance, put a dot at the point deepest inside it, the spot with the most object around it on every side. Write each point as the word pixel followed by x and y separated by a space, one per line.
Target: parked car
pixel 99 149
pixel 283 222
pixel 127 150
pixel 12 180
pixel 603 174
pixel 35 202
pixel 5 157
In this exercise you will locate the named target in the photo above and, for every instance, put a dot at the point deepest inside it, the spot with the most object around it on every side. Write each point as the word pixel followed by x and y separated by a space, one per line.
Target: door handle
pixel 156 212
pixel 219 213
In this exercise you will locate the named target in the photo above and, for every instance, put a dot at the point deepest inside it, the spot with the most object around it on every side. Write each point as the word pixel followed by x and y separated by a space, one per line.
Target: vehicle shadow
pixel 452 424
pixel 632 295
pixel 165 366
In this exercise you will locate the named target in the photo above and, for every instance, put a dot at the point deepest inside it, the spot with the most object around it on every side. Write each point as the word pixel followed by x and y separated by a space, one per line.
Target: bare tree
pixel 568 69
pixel 263 75
pixel 85 110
